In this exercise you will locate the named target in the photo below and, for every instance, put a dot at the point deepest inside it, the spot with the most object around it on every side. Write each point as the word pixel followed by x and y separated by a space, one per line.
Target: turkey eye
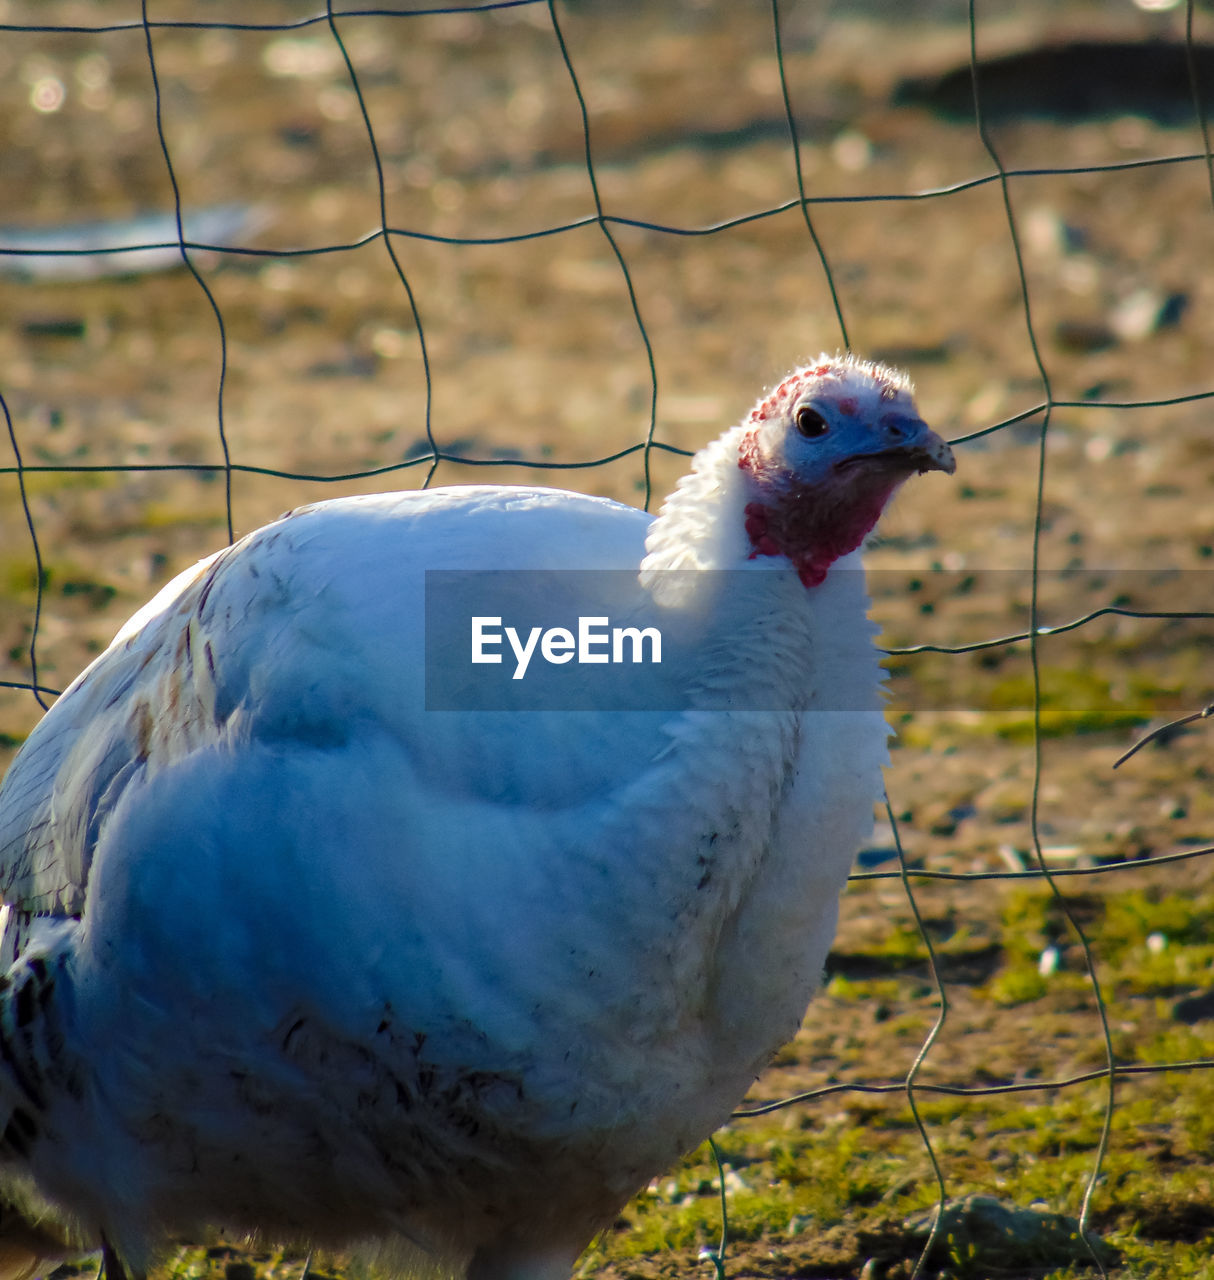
pixel 810 423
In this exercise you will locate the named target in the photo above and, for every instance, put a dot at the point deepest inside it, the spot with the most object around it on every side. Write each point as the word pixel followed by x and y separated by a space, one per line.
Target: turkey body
pixel 290 954
pixel 416 971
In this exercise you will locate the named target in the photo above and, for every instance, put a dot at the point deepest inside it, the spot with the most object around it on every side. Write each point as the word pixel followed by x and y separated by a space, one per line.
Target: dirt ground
pixel 535 359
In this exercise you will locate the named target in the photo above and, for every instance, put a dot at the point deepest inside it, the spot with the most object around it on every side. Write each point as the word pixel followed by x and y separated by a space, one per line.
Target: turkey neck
pixel 764 641
pixel 777 668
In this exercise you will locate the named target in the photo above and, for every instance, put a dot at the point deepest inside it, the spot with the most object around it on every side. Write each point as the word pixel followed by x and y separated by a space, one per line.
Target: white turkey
pixel 290 954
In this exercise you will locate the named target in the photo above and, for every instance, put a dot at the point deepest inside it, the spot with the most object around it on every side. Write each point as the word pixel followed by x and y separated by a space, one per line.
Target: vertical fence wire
pixel 385 232
pixel 1035 642
pixel 170 169
pixel 35 686
pixel 613 243
pixel 802 197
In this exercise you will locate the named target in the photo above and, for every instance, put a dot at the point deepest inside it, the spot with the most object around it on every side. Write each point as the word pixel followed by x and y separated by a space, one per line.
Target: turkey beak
pixel 912 440
pixel 909 445
pixel 932 453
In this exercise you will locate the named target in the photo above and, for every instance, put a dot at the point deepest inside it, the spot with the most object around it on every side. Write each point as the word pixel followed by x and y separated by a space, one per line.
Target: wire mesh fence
pixel 425 245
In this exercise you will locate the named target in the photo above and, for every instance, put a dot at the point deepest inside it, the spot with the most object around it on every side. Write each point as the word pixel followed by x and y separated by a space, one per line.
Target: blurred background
pixel 412 259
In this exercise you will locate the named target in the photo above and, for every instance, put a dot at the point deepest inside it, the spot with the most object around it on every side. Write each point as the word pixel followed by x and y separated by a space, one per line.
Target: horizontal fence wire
pixel 335 23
